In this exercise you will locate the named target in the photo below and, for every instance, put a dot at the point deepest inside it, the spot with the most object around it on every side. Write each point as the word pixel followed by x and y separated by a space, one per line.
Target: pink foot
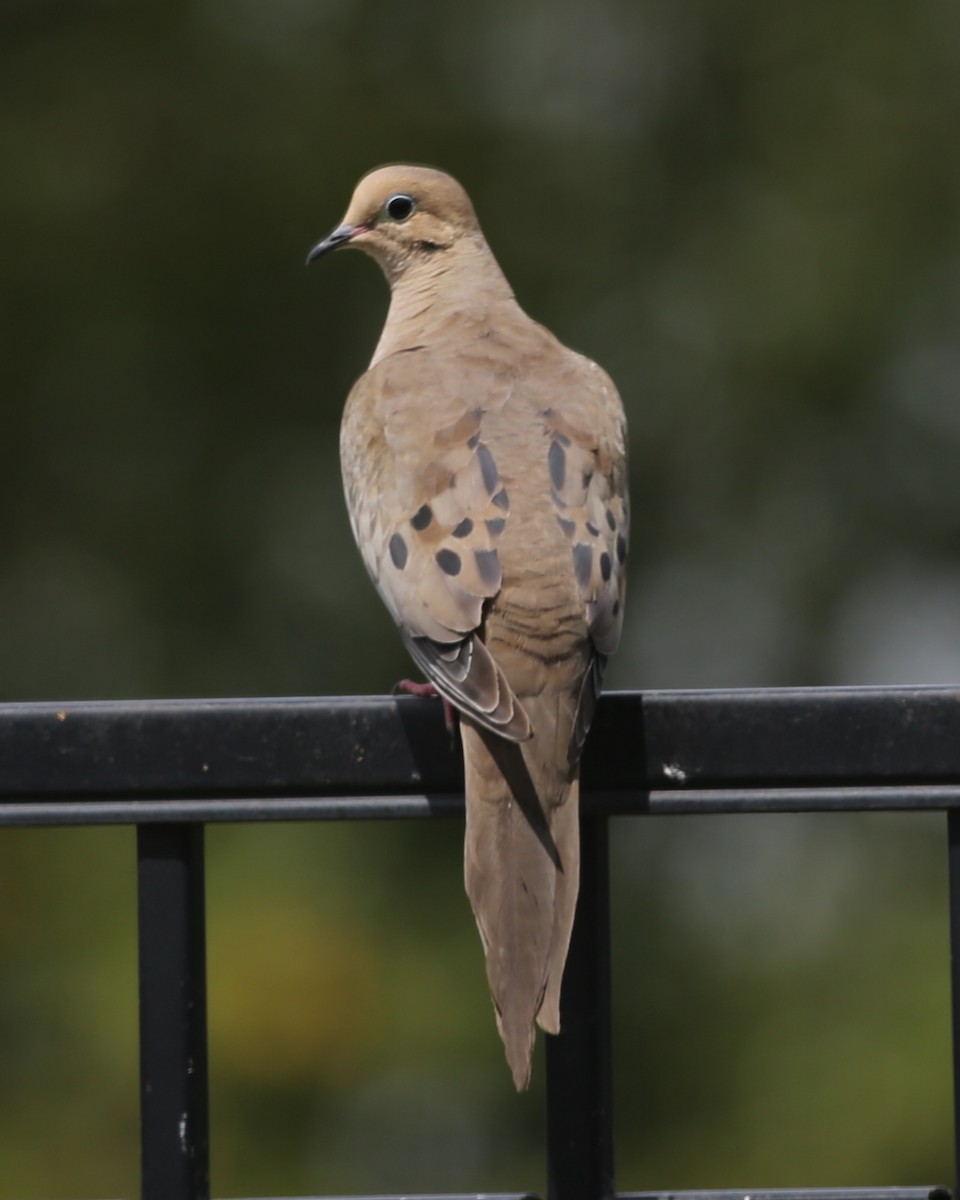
pixel 410 687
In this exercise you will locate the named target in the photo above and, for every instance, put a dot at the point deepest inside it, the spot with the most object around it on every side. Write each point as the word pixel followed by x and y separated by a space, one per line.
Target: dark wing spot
pixel 474 441
pixel 621 548
pixel 422 517
pixel 449 562
pixel 398 551
pixel 611 519
pixel 495 526
pixel 488 468
pixel 616 608
pixel 583 564
pixel 592 529
pixel 557 461
pixel 465 527
pixel 502 500
pixel 488 565
pixel 567 526
pixel 606 566
pixel 587 476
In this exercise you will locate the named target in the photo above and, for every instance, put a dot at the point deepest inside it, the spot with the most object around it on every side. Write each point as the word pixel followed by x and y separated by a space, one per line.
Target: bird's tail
pixel 521 865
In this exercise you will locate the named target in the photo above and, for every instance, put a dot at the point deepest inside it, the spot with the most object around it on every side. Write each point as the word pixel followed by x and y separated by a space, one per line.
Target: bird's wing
pixel 587 460
pixel 428 509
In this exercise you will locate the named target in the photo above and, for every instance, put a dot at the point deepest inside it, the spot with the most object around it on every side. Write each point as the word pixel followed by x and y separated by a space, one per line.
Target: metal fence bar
pixel 878 1193
pixel 702 745
pixel 579 1061
pixel 174 1130
pixel 689 802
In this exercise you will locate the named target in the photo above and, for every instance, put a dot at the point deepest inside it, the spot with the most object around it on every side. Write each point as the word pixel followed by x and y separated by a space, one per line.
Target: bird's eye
pixel 398 208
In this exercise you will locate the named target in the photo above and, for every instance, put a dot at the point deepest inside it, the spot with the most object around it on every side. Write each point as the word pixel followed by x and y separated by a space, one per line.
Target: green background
pixel 748 213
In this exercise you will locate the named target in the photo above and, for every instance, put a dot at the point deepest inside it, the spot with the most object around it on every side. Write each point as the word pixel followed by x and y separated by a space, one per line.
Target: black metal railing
pixel 170 767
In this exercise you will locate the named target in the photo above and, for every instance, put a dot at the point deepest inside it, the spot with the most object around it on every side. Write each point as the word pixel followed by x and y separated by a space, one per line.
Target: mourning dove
pixel 484 466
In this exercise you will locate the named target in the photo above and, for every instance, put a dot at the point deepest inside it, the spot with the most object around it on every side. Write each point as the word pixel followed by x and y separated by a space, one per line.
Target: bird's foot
pixel 410 687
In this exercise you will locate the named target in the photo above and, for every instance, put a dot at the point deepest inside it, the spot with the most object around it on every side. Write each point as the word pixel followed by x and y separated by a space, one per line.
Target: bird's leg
pixel 410 687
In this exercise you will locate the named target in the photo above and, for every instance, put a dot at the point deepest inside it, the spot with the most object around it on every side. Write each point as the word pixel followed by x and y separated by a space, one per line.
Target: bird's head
pixel 402 216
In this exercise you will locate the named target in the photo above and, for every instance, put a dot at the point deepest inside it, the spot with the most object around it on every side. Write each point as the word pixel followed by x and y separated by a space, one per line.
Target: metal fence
pixel 171 767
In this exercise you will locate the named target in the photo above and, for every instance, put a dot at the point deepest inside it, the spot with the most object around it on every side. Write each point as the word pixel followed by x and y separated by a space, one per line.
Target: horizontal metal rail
pixel 881 1193
pixel 355 758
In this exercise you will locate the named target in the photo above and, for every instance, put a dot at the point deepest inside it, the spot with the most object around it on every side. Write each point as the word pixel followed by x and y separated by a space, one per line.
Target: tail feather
pixel 521 866
pixel 566 831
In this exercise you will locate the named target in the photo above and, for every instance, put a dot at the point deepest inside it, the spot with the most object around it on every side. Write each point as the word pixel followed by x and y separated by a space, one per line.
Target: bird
pixel 485 472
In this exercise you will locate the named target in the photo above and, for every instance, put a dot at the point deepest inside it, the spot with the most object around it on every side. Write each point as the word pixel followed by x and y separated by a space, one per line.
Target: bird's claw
pixel 410 687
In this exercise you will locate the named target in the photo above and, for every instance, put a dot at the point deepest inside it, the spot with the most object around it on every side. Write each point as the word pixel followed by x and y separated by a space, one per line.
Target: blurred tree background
pixel 750 214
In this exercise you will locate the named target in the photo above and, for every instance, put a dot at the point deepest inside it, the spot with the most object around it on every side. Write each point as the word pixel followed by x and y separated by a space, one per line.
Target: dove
pixel 485 472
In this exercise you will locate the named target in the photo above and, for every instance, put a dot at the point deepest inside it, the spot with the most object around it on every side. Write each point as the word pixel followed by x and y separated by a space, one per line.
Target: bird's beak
pixel 340 236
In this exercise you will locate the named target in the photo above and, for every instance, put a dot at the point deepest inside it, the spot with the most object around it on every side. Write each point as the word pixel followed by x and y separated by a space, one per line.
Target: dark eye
pixel 398 208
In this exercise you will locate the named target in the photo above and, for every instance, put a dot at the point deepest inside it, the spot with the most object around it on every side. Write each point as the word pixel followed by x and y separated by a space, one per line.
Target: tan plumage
pixel 484 466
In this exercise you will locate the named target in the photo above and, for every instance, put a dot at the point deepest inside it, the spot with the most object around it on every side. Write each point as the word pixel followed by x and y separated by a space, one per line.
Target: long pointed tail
pixel 521 866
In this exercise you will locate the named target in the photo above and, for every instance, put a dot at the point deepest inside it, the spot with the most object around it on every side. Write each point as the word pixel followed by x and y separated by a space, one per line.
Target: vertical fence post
pixel 579 1100
pixel 953 843
pixel 174 1137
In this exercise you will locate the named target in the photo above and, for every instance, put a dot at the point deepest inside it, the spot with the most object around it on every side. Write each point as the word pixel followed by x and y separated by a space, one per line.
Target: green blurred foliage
pixel 748 213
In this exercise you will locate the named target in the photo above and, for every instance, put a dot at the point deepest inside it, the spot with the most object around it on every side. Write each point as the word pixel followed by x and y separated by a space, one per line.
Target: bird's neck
pixel 463 283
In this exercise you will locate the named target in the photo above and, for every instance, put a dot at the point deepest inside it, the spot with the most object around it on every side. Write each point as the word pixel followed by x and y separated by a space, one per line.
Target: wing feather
pixel 428 521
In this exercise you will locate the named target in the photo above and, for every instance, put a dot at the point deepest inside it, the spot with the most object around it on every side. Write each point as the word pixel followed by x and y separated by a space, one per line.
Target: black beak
pixel 340 236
